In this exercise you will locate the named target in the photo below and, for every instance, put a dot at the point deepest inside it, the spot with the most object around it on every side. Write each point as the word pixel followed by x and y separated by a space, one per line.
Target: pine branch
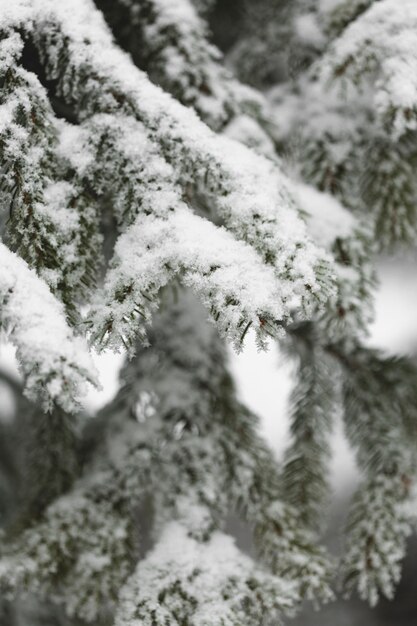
pixel 379 46
pixel 286 547
pixel 186 581
pixel 170 42
pixel 55 363
pixel 226 274
pixel 388 189
pixel 260 213
pixel 50 224
pixel 82 551
pixel 379 523
pixel 314 403
pixel 342 14
pixel 377 533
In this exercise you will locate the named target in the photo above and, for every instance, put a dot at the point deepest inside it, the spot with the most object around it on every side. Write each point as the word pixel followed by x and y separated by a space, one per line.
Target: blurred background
pixel 264 383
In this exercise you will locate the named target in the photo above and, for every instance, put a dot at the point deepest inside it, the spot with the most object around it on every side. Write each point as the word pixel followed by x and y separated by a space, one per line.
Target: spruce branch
pixel 170 41
pixel 314 404
pixel 379 523
pixel 55 363
pixel 51 224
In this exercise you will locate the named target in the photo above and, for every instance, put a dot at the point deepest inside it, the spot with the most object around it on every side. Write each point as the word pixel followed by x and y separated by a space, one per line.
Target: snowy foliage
pixel 55 363
pixel 144 190
pixel 314 406
pixel 82 552
pixel 381 45
pixel 248 193
pixel 169 40
pixel 200 583
pixel 378 529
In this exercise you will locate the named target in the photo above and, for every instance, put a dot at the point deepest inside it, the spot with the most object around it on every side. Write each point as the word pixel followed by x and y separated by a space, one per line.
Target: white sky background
pixel 264 379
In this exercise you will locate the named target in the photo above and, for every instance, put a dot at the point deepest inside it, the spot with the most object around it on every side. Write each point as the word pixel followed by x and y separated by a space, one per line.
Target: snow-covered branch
pixel 54 362
pixel 381 46
pixel 209 583
pixel 169 40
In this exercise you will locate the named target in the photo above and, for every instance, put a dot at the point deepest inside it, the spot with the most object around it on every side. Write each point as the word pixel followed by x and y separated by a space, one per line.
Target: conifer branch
pixel 314 404
pixel 56 364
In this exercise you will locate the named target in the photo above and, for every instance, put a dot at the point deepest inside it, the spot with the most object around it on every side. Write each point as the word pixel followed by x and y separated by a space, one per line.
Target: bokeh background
pixel 264 383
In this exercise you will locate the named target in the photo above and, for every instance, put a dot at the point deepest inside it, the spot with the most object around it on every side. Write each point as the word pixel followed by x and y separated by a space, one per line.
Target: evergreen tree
pixel 154 204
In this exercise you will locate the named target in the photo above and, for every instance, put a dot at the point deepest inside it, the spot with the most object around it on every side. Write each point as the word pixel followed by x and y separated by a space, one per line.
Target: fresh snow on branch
pixel 170 41
pixel 85 538
pixel 55 363
pixel 381 46
pixel 248 192
pixel 239 290
pixel 216 582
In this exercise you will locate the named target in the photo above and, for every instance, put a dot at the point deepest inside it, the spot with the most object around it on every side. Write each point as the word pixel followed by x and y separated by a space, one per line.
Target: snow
pixel 327 219
pixel 10 49
pixel 212 576
pixel 83 538
pixel 315 116
pixel 249 193
pixel 381 45
pixel 228 275
pixel 185 63
pixel 54 362
pixel 308 30
pixel 73 146
pixel 249 271
pixel 243 128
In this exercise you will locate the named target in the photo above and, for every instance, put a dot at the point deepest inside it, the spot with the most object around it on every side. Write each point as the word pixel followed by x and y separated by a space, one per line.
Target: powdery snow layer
pixel 382 45
pixel 55 363
pixel 247 191
pixel 228 275
pixel 327 219
pixel 216 578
